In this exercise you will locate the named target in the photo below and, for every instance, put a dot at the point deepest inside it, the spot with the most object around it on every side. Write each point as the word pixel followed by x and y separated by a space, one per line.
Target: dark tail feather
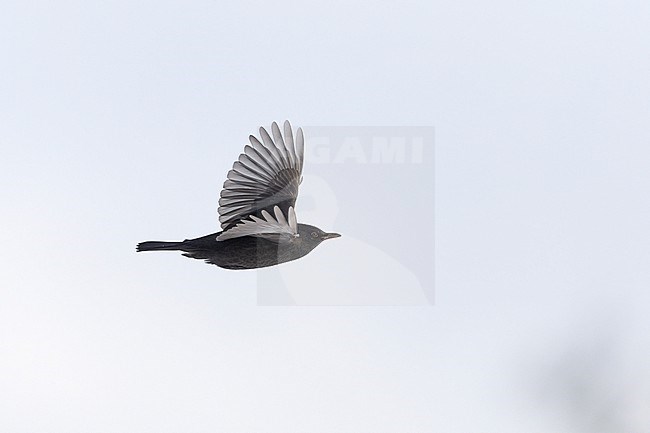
pixel 158 246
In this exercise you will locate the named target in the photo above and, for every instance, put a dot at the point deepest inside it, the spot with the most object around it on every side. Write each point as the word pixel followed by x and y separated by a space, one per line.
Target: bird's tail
pixel 159 246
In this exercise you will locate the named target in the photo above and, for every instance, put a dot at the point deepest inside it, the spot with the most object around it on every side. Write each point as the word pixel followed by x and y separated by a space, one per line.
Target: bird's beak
pixel 331 236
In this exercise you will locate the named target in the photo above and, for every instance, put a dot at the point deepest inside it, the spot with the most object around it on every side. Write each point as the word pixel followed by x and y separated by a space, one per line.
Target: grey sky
pixel 119 121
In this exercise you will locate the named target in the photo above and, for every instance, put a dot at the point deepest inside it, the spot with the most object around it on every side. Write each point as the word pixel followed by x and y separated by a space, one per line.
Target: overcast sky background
pixel 119 121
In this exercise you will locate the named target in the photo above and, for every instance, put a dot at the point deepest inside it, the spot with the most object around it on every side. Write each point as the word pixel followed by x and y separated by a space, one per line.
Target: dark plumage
pixel 256 209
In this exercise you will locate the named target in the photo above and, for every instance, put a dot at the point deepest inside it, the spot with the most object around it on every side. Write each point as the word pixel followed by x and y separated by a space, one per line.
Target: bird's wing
pixel 276 228
pixel 266 175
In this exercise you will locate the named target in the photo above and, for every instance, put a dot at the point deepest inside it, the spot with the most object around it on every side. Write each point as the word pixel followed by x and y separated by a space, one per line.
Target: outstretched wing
pixel 267 175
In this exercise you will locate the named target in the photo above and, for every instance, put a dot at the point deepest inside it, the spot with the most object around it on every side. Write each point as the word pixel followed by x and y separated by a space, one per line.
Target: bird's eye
pixel 314 234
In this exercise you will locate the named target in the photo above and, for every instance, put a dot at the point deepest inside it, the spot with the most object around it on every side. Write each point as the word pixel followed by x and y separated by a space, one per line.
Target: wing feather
pixel 249 172
pixel 300 148
pixel 288 142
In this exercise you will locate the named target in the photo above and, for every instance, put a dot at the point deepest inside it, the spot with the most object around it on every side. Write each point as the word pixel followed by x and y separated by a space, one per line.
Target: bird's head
pixel 313 236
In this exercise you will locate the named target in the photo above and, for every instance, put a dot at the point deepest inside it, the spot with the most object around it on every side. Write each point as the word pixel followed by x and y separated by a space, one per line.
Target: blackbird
pixel 256 209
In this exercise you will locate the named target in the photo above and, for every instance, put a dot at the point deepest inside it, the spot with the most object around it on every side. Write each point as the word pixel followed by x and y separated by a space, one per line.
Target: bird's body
pixel 246 252
pixel 257 209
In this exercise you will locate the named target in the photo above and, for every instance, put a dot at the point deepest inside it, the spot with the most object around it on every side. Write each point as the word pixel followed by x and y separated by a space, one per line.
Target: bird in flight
pixel 257 209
